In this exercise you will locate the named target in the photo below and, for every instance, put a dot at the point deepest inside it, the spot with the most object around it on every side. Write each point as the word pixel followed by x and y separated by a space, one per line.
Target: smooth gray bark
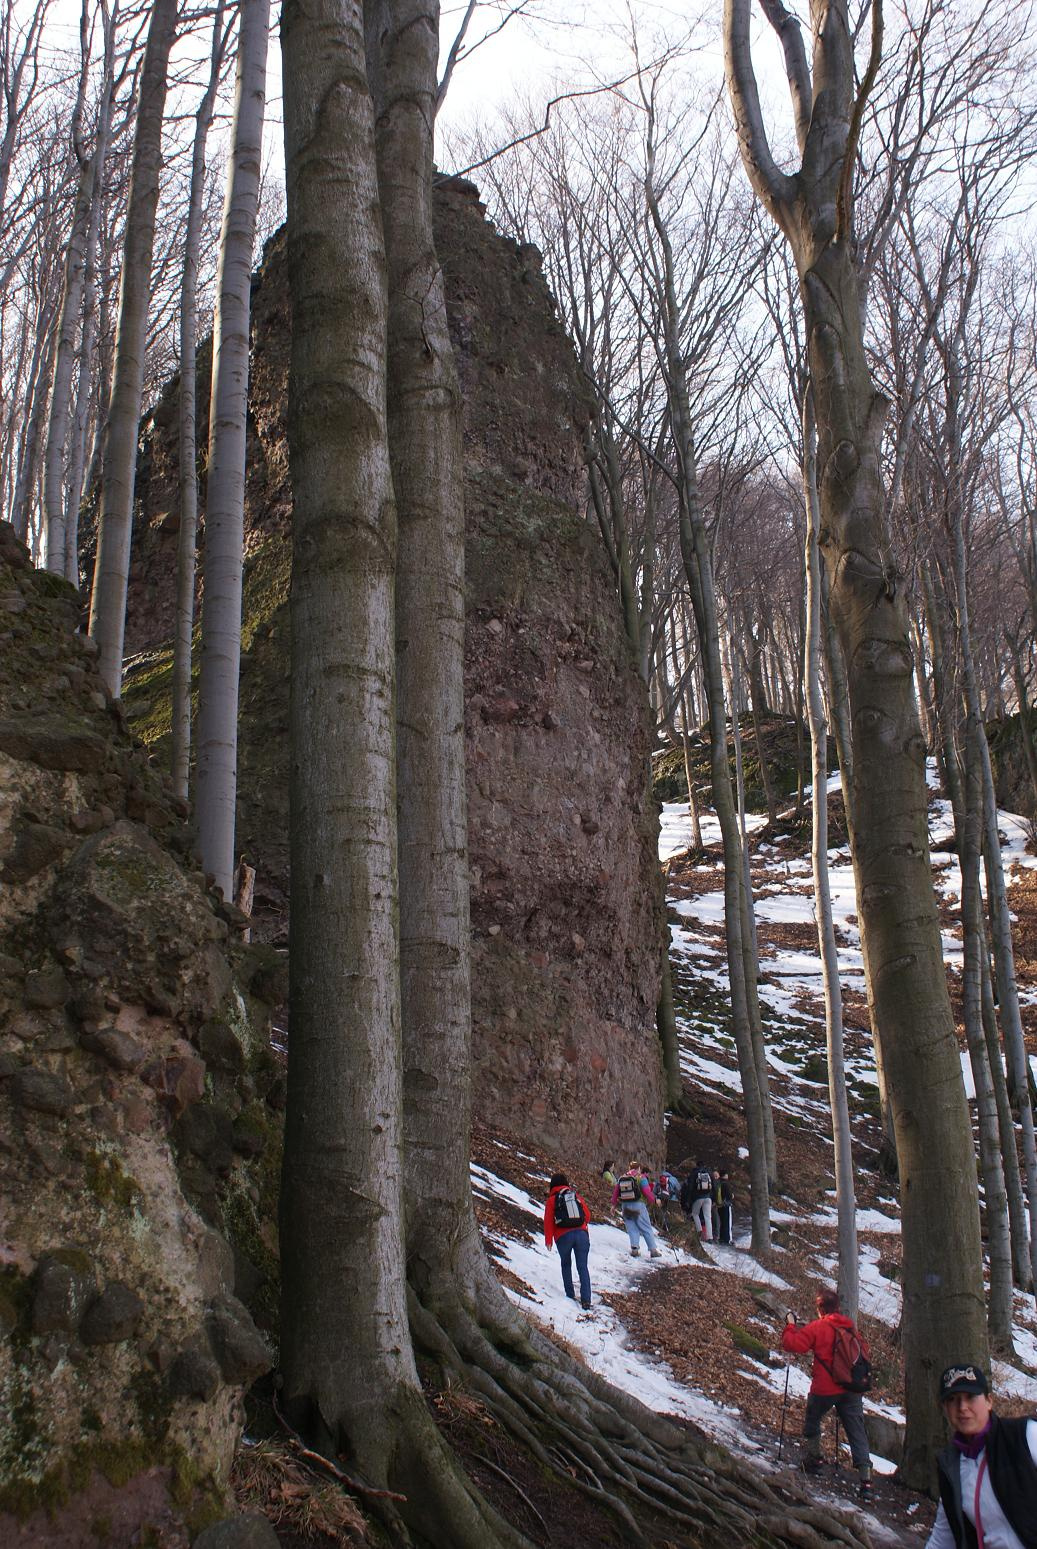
pixel 217 752
pixel 183 630
pixel 115 518
pixel 842 1139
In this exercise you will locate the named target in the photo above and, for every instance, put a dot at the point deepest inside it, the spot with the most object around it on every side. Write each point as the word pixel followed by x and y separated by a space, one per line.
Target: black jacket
pixel 1013 1476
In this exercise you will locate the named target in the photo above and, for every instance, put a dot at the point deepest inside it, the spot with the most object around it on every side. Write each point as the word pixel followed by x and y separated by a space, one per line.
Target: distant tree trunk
pixel 999 1306
pixel 842 1138
pixel 1025 714
pixel 688 720
pixel 1017 1215
pixel 84 395
pixel 750 945
pixel 34 415
pixel 216 780
pixel 188 479
pixel 943 1282
pixel 79 257
pixel 759 710
pixel 115 518
pixel 699 571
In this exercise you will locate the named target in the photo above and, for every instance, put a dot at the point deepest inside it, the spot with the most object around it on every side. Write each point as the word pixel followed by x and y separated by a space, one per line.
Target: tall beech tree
pixel 376 1120
pixel 115 518
pixel 907 988
pixel 225 488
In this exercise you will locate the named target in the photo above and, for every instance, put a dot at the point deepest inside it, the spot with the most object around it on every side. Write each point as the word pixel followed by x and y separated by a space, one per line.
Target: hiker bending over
pixel 566 1219
pixel 633 1194
pixel 836 1345
pixel 988 1474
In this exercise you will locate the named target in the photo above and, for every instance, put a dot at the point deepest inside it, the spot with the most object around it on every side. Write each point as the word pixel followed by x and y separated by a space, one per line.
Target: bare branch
pixel 775 189
pixel 843 208
pixel 790 37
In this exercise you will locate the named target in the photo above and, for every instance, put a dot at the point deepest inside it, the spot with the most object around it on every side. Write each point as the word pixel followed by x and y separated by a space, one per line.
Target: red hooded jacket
pixel 549 1215
pixel 819 1337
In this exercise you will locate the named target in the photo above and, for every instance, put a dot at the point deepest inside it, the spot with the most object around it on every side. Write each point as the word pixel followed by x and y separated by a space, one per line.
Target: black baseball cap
pixel 962 1379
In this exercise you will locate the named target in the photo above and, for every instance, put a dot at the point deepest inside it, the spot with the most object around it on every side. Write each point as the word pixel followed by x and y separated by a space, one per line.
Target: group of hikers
pixel 988 1471
pixel 705 1197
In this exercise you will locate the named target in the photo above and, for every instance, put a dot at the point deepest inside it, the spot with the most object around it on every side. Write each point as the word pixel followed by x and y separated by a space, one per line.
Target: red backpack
pixel 850 1367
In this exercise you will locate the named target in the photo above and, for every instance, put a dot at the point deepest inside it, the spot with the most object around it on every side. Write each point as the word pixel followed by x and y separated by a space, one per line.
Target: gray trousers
pixel 850 1409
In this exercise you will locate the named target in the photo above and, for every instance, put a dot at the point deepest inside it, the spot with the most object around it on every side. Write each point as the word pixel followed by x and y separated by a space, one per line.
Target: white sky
pixel 563 44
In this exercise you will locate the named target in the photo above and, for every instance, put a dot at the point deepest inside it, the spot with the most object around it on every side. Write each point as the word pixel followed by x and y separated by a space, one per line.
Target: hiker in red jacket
pixel 825 1393
pixel 566 1220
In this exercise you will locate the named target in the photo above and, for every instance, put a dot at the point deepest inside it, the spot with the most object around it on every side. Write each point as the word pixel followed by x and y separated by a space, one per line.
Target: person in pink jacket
pixel 566 1222
pixel 633 1194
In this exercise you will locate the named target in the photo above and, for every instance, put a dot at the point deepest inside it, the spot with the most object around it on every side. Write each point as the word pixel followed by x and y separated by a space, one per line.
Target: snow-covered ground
pixel 790 994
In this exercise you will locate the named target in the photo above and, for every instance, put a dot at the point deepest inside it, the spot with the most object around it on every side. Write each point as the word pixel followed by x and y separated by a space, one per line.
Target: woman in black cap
pixel 988 1474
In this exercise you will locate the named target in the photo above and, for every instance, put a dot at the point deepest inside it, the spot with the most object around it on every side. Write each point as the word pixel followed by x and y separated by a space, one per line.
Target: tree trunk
pixel 188 479
pixel 999 1307
pixel 82 239
pixel 115 518
pixel 911 1013
pixel 1018 1222
pixel 842 1139
pixel 217 770
pixel 1025 716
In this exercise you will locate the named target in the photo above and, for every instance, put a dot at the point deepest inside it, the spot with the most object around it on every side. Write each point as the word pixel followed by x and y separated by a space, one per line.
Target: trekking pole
pixel 784 1406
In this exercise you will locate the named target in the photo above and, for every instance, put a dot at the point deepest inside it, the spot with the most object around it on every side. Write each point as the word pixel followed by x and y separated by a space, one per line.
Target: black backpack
pixel 850 1367
pixel 629 1190
pixel 569 1212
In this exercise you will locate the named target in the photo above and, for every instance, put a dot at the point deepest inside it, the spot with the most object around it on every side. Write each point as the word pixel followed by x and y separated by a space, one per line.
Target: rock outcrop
pixel 131 1024
pixel 562 829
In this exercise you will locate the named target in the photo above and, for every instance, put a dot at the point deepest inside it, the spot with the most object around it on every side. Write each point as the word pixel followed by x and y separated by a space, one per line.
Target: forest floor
pixel 695 1333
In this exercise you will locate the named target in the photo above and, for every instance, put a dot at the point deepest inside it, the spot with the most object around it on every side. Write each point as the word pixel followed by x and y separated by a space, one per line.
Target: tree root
pixel 607 1444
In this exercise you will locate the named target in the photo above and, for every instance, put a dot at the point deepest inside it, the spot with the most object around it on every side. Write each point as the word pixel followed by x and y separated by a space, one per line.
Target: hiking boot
pixel 812 1465
pixel 586 1306
pixel 635 1253
pixel 655 1254
pixel 864 1491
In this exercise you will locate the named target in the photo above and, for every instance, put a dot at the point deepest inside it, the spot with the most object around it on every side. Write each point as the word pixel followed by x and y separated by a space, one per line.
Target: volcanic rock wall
pixel 133 1044
pixel 562 830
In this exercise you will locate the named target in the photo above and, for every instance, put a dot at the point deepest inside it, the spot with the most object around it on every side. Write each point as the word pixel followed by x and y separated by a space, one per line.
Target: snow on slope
pixel 790 994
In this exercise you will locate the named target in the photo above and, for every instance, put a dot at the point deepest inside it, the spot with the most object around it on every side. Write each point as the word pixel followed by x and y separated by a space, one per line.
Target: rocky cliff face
pixel 562 833
pixel 130 1025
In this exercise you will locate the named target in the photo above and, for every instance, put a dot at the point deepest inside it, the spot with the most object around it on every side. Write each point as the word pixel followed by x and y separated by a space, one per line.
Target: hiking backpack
pixel 703 1182
pixel 850 1367
pixel 568 1210
pixel 629 1190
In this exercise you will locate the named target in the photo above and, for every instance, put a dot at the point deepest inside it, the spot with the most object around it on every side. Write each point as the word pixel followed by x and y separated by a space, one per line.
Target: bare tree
pixel 943 1289
pixel 187 533
pixel 115 519
pixel 225 487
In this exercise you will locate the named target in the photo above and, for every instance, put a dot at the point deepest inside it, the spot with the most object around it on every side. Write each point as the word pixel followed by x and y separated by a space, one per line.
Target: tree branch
pixel 776 190
pixel 790 36
pixel 844 202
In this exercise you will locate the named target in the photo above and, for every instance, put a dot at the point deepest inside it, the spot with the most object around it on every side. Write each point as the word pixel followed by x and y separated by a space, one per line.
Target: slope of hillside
pixel 696 1333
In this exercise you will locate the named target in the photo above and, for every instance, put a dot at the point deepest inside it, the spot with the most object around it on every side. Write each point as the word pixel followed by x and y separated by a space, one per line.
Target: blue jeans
pixel 575 1241
pixel 635 1219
